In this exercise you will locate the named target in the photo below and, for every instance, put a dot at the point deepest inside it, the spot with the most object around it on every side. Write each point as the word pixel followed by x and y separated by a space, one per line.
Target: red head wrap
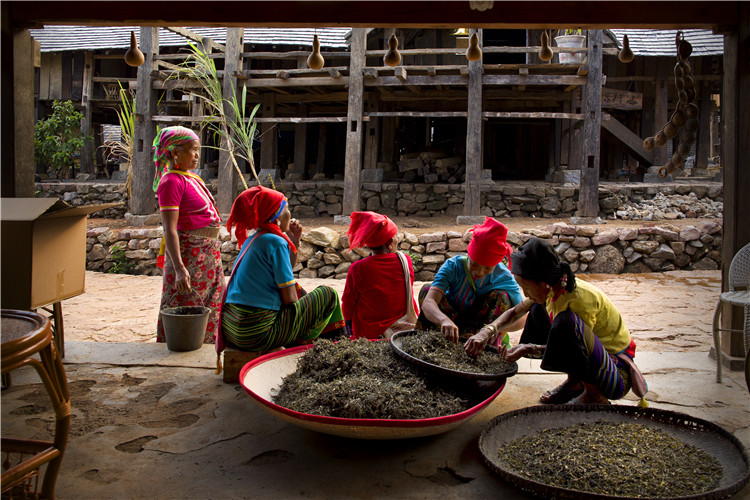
pixel 370 229
pixel 488 246
pixel 257 207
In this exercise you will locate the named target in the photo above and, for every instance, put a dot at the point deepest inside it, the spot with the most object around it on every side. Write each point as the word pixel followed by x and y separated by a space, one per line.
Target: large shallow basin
pixel 262 375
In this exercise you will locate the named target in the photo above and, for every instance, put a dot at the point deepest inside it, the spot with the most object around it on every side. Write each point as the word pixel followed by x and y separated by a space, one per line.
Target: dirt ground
pixel 669 311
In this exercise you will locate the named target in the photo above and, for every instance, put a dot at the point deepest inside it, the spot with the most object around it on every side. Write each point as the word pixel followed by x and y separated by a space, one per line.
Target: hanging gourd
pixel 392 57
pixel 474 53
pixel 545 53
pixel 684 121
pixel 134 57
pixel 626 53
pixel 315 59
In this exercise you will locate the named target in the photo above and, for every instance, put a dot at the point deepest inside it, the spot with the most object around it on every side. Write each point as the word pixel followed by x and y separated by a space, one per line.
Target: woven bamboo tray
pixel 703 434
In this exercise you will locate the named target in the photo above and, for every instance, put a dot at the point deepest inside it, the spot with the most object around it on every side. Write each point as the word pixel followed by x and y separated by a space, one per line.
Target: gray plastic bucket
pixel 184 326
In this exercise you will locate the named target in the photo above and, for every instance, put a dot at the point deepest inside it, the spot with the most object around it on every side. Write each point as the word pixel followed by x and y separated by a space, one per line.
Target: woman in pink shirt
pixel 190 253
pixel 375 290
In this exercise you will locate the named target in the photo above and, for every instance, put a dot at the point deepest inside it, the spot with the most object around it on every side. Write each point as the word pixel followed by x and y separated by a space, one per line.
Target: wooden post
pixel 268 133
pixel 142 200
pixel 735 157
pixel 661 103
pixel 472 194
pixel 320 160
pixel 566 127
pixel 353 163
pixel 703 144
pixel 388 136
pixel 21 181
pixel 575 135
pixel 588 197
pixel 372 136
pixel 228 176
pixel 300 142
pixel 87 128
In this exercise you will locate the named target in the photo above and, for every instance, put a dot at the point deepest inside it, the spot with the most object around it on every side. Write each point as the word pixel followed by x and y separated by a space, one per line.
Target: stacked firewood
pixel 432 167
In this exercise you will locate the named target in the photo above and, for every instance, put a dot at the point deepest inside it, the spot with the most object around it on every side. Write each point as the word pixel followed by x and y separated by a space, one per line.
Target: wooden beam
pixel 400 73
pixel 320 159
pixel 142 194
pixel 629 139
pixel 735 159
pixel 298 82
pixel 703 144
pixel 191 35
pixel 228 176
pixel 661 103
pixel 370 73
pixel 474 129
pixel 21 180
pixel 418 114
pixel 588 198
pixel 532 115
pixel 353 162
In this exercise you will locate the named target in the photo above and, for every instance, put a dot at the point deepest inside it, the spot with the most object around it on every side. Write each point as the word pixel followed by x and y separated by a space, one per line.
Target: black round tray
pixel 713 439
pixel 396 342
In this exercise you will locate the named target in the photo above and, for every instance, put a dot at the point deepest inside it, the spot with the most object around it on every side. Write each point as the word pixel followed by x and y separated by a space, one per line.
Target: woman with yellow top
pixel 572 326
pixel 190 254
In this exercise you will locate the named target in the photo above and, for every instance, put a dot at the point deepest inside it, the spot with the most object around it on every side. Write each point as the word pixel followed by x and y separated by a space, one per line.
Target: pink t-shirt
pixel 185 192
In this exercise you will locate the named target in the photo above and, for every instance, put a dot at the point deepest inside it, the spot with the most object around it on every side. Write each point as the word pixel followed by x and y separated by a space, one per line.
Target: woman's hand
pixel 477 342
pixel 182 279
pixel 450 330
pixel 516 352
pixel 295 231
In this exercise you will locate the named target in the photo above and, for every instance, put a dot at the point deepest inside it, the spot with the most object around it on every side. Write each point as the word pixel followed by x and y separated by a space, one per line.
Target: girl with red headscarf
pixel 375 290
pixel 262 309
pixel 469 293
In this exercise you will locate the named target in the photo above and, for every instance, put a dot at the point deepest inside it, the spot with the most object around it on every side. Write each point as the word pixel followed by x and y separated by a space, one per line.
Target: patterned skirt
pixel 316 314
pixel 202 258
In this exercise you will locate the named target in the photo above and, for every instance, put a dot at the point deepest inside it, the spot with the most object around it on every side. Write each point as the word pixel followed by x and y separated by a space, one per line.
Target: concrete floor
pixel 148 423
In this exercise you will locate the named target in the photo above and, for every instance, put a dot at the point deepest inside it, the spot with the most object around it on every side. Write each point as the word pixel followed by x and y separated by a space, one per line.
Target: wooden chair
pixel 738 295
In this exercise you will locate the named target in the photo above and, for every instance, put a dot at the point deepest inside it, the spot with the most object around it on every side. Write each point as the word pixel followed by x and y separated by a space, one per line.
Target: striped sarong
pixel 202 258
pixel 315 314
pixel 573 348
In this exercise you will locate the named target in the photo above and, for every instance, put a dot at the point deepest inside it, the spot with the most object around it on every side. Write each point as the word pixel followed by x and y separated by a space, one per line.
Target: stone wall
pixel 323 252
pixel 635 201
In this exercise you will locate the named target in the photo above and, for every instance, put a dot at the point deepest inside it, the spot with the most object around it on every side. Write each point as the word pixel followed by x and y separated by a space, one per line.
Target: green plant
pixel 122 149
pixel 416 258
pixel 569 31
pixel 122 264
pixel 236 128
pixel 58 139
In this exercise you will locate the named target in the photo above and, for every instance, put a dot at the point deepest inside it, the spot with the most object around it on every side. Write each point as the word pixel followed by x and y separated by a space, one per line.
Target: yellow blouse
pixel 597 312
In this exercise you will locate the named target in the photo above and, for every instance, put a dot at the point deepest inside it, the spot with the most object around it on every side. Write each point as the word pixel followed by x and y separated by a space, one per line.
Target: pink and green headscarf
pixel 166 139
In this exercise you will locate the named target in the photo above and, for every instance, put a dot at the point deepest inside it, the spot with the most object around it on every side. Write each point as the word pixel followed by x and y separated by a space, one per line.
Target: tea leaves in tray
pixel 608 458
pixel 363 379
pixel 432 347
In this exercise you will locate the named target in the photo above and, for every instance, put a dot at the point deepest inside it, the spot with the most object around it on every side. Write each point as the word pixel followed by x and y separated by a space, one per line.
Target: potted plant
pixel 570 39
pixel 58 139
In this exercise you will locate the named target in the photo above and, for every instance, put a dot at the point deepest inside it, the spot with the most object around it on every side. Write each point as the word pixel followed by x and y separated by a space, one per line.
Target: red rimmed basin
pixel 264 374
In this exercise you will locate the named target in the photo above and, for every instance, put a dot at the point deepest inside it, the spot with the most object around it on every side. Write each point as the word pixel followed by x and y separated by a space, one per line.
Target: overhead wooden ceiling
pixel 721 16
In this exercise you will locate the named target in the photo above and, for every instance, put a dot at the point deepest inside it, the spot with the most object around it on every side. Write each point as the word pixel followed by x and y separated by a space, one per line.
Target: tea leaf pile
pixel 608 458
pixel 363 379
pixel 433 347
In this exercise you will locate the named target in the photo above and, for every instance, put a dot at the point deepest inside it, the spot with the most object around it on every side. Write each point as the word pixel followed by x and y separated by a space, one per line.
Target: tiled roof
pixel 58 38
pixel 661 42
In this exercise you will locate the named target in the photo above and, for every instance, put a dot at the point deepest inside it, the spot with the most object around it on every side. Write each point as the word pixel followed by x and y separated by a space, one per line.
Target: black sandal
pixel 562 393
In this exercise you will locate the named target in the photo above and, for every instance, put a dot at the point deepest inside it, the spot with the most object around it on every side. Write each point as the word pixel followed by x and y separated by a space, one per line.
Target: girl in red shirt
pixel 375 290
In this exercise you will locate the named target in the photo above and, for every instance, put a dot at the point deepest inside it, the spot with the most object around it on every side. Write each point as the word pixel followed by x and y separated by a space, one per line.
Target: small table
pixel 25 334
